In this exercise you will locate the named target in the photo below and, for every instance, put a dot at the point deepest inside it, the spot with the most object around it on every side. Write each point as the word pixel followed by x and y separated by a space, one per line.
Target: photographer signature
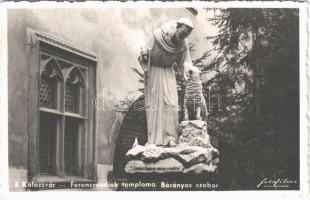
pixel 276 183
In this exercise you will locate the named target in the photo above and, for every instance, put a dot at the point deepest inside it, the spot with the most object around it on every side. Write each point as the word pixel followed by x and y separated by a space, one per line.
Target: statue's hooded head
pixel 180 28
pixel 184 28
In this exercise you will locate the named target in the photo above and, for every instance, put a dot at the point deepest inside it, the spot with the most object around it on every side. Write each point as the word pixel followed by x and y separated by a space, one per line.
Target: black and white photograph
pixel 155 98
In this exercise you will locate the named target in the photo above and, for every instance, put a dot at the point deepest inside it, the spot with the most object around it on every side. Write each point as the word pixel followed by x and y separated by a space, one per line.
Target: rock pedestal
pixel 193 154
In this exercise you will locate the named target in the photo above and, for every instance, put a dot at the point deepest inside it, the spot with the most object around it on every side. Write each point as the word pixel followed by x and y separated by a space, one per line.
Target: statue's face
pixel 183 32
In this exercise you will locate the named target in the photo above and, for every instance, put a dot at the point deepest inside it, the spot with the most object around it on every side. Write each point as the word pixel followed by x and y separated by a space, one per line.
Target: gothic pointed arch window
pixel 51 84
pixel 61 122
pixel 75 91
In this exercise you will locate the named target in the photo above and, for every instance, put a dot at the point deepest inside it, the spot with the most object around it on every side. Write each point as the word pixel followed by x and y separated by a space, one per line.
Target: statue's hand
pixel 144 56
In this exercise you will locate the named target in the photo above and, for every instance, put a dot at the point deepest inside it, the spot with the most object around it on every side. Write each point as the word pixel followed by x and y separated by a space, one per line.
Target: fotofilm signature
pixel 276 183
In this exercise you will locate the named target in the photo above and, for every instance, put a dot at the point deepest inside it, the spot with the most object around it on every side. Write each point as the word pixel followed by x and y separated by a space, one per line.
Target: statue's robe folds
pixel 161 96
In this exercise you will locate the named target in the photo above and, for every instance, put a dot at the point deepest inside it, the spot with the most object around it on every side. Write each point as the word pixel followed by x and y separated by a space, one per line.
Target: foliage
pixel 258 66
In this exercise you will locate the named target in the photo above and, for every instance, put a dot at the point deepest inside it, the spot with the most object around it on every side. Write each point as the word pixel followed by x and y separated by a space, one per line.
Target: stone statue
pixel 192 152
pixel 166 51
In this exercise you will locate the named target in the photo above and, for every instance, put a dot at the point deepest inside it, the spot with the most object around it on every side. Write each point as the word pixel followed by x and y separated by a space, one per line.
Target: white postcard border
pixel 304 93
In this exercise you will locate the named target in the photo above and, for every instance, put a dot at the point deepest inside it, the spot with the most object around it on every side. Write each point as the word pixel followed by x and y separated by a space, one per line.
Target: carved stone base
pixel 194 153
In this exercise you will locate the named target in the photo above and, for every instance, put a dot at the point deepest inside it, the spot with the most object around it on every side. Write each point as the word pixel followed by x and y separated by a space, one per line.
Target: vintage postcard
pixel 109 98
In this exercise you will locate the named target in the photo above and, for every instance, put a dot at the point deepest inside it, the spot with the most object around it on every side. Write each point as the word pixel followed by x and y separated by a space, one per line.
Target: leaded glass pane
pixel 71 138
pixel 48 93
pixel 47 144
pixel 71 98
